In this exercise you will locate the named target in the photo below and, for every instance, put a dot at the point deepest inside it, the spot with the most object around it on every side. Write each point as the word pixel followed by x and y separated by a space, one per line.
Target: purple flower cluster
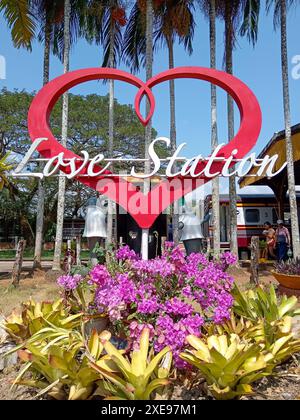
pixel 125 253
pixel 148 306
pixel 69 282
pixel 115 295
pixel 173 334
pixel 227 259
pixel 170 295
pixel 157 267
pixel 174 254
pixel 99 275
pixel 177 307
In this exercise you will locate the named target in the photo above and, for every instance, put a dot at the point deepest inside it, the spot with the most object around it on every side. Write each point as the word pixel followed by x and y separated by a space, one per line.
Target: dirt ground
pixel 284 386
pixel 32 286
pixel 37 286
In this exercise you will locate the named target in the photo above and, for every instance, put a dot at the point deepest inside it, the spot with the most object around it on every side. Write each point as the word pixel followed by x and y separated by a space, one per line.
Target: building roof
pixel 276 146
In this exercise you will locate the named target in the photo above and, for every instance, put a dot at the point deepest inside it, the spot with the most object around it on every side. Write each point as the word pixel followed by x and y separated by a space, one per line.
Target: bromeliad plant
pixel 59 363
pixel 36 316
pixel 257 304
pixel 229 364
pixel 138 376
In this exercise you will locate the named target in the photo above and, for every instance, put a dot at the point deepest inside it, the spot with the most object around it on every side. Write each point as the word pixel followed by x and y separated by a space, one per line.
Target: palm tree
pixel 210 9
pixel 62 180
pixel 20 20
pixel 103 24
pixel 280 18
pixel 174 19
pixel 214 132
pixel 148 130
pixel 243 14
pixel 171 20
pixel 47 13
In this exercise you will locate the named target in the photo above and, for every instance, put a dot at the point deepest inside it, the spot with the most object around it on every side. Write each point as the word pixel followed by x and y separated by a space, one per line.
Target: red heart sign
pixel 144 208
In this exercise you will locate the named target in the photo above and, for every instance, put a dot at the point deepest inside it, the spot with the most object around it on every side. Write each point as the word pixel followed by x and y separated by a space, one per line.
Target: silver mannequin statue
pixel 191 231
pixel 94 213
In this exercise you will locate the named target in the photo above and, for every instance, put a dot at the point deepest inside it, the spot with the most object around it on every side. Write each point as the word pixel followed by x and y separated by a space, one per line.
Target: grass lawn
pixel 29 253
pixel 36 288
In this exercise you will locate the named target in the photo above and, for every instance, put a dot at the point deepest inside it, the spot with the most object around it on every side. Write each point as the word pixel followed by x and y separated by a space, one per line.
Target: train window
pixel 252 216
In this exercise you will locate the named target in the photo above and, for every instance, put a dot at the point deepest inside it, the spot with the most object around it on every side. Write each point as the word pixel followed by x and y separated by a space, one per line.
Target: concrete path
pixel 7 266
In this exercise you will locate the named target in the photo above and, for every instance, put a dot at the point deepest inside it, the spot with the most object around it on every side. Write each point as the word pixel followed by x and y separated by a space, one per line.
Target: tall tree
pixel 242 15
pixel 47 13
pixel 209 8
pixel 103 24
pixel 111 206
pixel 20 20
pixel 148 131
pixel 62 180
pixel 229 40
pixel 174 20
pixel 171 20
pixel 280 19
pixel 214 131
pixel 137 49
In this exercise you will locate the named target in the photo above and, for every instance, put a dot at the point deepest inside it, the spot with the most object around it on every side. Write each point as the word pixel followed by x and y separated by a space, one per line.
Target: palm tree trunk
pixel 214 132
pixel 148 131
pixel 288 132
pixel 111 206
pixel 65 112
pixel 41 190
pixel 230 106
pixel 173 133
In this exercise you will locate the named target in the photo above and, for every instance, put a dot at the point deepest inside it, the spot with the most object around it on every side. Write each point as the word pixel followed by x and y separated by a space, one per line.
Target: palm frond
pixel 76 23
pixel 106 39
pixel 275 4
pixel 20 20
pixel 250 23
pixel 134 41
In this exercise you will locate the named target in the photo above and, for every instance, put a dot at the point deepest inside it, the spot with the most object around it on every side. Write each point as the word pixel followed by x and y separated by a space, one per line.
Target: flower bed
pixel 172 296
pixel 170 321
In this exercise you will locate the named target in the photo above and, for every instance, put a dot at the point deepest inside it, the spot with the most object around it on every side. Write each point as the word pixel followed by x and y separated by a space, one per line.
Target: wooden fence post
pixel 78 250
pixel 254 260
pixel 17 268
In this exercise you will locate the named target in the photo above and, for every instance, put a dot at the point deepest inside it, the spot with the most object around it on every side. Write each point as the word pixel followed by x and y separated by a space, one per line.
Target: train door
pixel 224 217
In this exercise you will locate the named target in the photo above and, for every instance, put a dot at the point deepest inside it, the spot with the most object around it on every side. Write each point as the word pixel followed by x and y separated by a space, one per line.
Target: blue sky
pixel 259 68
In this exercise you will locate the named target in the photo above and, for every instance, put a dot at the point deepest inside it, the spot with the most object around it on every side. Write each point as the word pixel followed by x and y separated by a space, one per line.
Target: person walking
pixel 269 232
pixel 283 241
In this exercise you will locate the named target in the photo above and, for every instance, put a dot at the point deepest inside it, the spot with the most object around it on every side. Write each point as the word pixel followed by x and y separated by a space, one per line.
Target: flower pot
pixel 288 281
pixel 98 323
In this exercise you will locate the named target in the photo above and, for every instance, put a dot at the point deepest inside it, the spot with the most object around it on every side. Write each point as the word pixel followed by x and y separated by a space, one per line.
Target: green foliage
pixel 5 167
pixel 259 304
pixel 87 129
pixel 257 338
pixel 229 364
pixel 136 378
pixel 100 253
pixel 59 364
pixel 38 316
pixel 20 21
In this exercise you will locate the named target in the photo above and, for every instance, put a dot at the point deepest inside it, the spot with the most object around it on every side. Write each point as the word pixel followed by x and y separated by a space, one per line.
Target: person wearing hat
pixel 283 241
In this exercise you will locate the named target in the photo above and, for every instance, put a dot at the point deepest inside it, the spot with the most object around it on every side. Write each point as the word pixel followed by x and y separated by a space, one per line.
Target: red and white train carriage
pixel 253 211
